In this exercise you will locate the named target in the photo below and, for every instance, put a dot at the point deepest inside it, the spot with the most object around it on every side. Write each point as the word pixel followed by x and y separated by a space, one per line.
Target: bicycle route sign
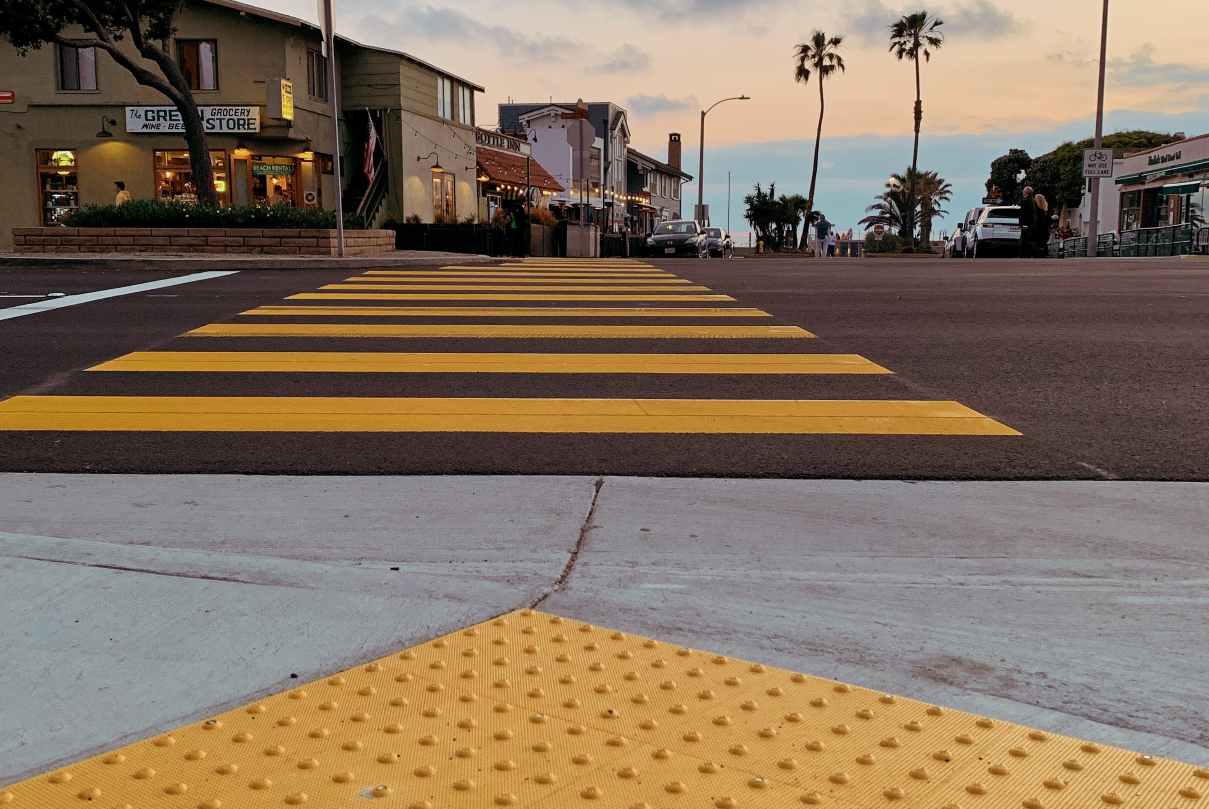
pixel 1097 163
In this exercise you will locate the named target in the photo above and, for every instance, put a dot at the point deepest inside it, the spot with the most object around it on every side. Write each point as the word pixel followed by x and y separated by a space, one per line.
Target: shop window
pixel 316 75
pixel 466 105
pixel 173 177
pixel 58 185
pixel 77 68
pixel 444 98
pixel 198 63
pixel 444 208
pixel 274 180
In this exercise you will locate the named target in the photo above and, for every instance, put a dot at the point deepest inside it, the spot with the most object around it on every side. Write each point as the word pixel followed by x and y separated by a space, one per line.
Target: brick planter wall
pixel 278 242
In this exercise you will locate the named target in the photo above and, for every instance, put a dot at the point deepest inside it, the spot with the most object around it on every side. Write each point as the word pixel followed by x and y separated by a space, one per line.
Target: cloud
pixel 447 24
pixel 687 11
pixel 626 58
pixel 972 19
pixel 1140 70
pixel 644 105
pixel 1072 58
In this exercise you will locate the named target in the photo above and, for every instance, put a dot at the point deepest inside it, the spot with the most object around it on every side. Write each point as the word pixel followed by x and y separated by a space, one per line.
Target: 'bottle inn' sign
pixel 233 119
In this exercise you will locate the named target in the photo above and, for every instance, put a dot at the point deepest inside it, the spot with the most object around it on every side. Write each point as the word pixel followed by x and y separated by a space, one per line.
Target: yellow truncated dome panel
pixel 535 710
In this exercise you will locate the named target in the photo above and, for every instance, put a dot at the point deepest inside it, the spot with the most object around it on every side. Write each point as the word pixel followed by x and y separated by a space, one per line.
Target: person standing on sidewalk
pixel 122 196
pixel 1041 225
pixel 821 230
pixel 1028 222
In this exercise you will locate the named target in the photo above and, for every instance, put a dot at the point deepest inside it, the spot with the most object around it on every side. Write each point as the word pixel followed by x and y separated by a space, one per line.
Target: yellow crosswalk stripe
pixel 379 280
pixel 509 330
pixel 496 296
pixel 497 311
pixel 503 363
pixel 523 273
pixel 497 415
pixel 509 287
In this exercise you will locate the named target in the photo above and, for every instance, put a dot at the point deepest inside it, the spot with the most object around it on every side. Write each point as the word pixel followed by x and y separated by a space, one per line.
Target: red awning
pixel 502 167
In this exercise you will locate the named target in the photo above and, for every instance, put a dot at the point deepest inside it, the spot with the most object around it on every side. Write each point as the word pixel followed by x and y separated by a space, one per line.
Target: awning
pixel 1190 187
pixel 510 169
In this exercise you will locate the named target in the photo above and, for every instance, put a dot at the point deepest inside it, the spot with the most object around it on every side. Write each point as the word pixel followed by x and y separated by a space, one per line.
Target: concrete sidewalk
pixel 136 603
pixel 166 262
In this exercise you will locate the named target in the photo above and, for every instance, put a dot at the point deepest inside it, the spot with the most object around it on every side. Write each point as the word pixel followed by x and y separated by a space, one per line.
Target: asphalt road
pixel 1100 367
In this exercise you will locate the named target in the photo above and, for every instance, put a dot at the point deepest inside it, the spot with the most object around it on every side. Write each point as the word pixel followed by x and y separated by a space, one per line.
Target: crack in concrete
pixel 134 569
pixel 579 543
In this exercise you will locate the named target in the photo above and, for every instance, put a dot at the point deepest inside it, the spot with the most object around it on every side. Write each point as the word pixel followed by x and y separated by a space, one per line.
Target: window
pixel 444 208
pixel 316 75
pixel 77 68
pixel 466 105
pixel 675 188
pixel 58 184
pixel 197 62
pixel 173 173
pixel 444 97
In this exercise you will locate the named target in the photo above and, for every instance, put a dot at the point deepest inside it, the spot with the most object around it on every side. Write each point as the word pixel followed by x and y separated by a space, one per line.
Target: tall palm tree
pixel 912 36
pixel 820 55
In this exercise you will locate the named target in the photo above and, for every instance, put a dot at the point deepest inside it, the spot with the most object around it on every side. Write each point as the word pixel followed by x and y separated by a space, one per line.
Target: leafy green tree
pixel 913 36
pixel 150 26
pixel 820 57
pixel 1004 173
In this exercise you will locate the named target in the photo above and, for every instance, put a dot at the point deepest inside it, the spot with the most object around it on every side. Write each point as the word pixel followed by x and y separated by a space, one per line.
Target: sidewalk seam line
pixel 579 542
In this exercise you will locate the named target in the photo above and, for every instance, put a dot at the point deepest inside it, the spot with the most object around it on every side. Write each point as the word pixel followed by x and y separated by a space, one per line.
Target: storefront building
pixel 1164 187
pixel 77 122
pixel 509 176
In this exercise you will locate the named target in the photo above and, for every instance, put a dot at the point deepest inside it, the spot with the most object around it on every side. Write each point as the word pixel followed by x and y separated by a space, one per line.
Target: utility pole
pixel 328 18
pixel 1093 227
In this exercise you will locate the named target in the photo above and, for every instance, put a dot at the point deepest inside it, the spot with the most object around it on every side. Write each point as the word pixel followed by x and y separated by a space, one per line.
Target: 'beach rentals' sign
pixel 234 119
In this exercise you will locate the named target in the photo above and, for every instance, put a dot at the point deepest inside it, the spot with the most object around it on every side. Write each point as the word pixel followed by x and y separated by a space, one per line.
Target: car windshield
pixel 1004 213
pixel 714 233
pixel 675 227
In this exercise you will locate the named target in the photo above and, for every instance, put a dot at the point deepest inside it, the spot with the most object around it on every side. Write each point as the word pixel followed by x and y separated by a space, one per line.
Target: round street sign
pixel 879 231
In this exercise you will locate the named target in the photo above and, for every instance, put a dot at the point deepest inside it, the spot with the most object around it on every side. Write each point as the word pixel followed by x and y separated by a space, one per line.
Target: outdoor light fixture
pixel 105 133
pixel 435 166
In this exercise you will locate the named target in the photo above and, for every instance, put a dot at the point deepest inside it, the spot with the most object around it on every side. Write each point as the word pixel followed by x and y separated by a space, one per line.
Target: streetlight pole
pixel 329 41
pixel 701 156
pixel 1093 227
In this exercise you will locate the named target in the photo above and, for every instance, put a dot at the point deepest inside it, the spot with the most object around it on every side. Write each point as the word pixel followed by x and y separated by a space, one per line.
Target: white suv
pixel 996 231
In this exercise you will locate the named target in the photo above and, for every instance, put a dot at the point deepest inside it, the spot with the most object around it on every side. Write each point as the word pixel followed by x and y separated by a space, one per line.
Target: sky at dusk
pixel 1019 74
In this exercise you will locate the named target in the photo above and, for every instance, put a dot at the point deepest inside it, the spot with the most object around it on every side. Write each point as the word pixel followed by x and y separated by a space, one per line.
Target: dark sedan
pixel 678 238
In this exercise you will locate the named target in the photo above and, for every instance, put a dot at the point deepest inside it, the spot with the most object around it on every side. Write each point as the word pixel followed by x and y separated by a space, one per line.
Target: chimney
pixel 673 150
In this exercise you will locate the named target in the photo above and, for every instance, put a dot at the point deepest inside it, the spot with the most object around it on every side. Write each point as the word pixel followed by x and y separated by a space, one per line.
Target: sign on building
pixel 280 100
pixel 1097 163
pixel 234 119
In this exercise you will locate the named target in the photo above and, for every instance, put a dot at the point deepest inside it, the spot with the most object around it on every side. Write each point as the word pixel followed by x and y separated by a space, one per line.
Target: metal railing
pixel 371 200
pixel 1172 240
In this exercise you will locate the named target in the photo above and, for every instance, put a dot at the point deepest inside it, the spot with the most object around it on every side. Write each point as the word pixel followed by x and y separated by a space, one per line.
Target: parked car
pixel 997 231
pixel 679 237
pixel 967 228
pixel 719 242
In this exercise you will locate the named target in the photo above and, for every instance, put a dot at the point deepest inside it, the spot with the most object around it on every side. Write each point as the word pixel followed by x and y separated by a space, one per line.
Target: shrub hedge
pixel 150 213
pixel 890 243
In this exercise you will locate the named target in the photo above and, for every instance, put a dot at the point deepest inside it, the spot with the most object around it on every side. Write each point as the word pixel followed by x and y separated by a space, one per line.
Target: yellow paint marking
pixel 489 296
pixel 490 330
pixel 504 287
pixel 524 273
pixel 497 311
pixel 538 711
pixel 498 363
pixel 325 414
pixel 512 280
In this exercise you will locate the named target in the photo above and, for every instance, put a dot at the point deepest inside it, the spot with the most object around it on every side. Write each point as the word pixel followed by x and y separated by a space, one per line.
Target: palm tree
pixel 889 209
pixel 762 212
pixel 792 209
pixel 933 190
pixel 818 56
pixel 912 36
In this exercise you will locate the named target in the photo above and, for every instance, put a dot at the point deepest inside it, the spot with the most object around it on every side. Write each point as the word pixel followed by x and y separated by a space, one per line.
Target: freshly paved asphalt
pixel 1101 367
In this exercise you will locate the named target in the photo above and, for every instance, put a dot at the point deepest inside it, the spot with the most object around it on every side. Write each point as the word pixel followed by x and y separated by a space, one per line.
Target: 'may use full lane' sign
pixel 235 119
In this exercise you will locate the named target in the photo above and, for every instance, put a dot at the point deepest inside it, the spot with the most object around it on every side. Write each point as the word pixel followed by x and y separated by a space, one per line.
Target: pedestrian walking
pixel 122 195
pixel 822 229
pixel 833 241
pixel 1041 227
pixel 1032 219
